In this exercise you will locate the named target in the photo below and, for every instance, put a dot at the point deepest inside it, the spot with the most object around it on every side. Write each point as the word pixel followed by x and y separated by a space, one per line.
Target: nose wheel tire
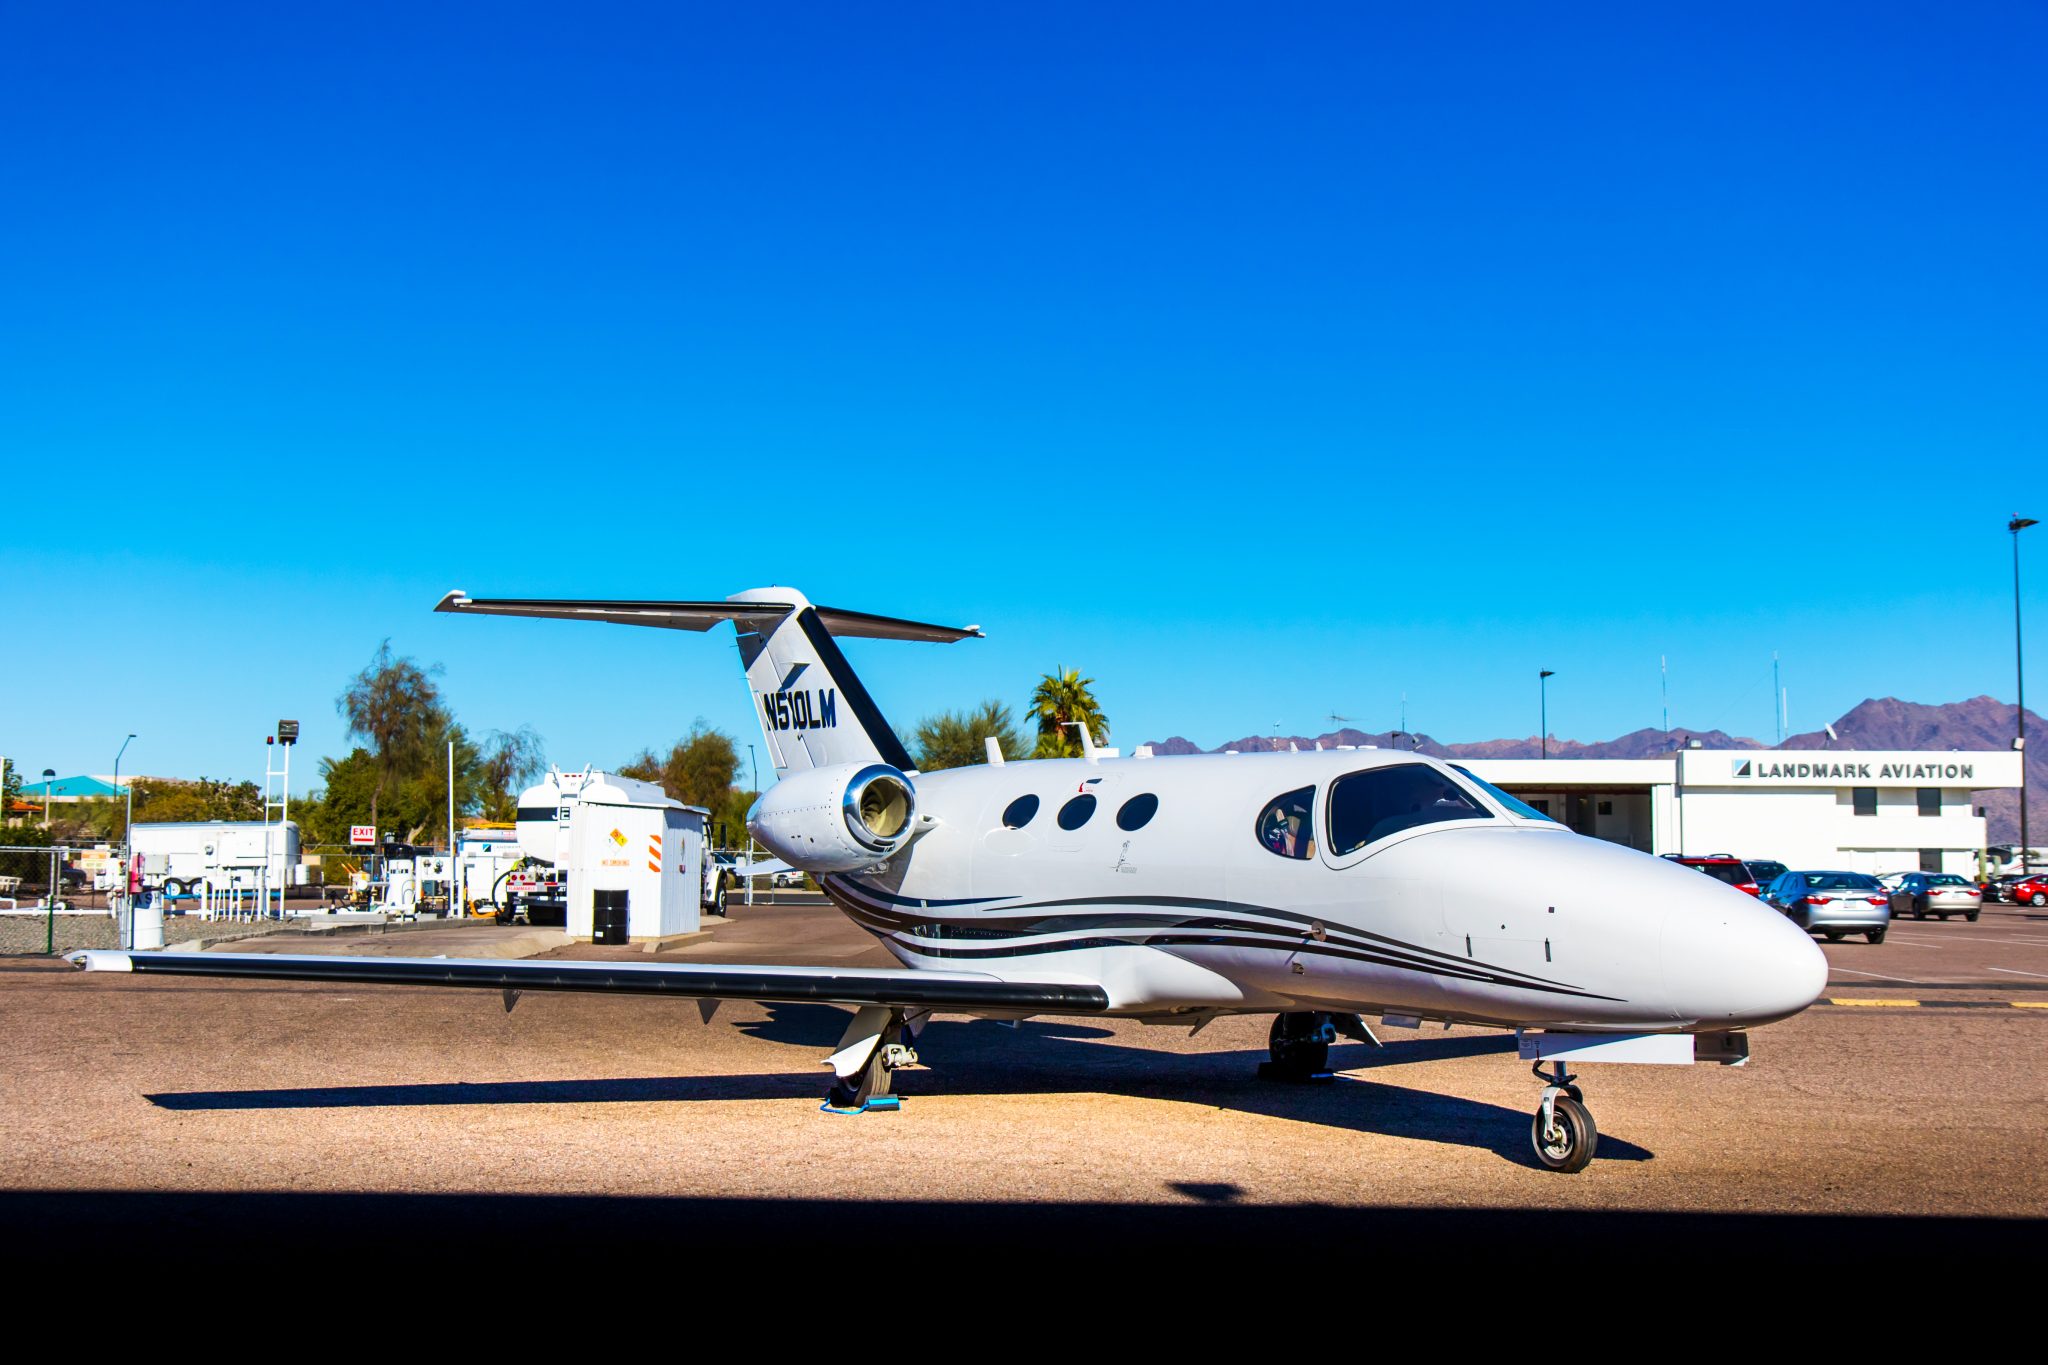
pixel 1567 1146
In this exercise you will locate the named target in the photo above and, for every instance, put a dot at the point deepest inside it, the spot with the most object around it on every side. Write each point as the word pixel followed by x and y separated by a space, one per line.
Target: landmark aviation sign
pixel 1971 769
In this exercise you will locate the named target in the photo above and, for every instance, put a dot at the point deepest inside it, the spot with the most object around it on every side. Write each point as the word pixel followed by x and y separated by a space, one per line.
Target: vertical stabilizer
pixel 813 710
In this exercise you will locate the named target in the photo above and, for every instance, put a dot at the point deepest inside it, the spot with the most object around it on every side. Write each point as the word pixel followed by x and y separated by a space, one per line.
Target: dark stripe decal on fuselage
pixel 985 940
pixel 864 709
pixel 996 924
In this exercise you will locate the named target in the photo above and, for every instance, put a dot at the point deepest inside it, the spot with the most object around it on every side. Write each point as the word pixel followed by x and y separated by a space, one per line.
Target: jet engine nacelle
pixel 837 819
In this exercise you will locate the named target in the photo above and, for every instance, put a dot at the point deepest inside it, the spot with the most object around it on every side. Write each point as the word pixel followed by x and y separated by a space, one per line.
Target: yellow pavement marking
pixel 2030 1004
pixel 1846 1000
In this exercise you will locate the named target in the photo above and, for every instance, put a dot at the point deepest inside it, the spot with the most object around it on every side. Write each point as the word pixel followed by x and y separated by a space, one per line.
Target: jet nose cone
pixel 1730 959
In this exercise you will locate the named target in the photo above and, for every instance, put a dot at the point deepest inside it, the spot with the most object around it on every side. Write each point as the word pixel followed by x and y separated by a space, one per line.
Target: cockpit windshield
pixel 1516 807
pixel 1370 805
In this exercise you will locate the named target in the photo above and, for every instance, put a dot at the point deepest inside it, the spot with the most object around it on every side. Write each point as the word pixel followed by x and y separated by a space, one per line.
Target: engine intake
pixel 836 819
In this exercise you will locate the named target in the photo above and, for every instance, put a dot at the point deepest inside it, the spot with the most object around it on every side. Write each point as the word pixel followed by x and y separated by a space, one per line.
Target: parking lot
pixel 1916 1087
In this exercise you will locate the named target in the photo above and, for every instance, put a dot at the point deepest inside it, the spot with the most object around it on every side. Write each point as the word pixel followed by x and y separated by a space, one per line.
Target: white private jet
pixel 1319 887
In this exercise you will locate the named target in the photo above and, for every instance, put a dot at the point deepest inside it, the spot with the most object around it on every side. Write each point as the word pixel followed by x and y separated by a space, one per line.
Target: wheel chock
pixel 880 1104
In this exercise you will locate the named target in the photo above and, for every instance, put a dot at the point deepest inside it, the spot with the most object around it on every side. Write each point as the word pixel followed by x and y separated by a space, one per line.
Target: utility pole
pixel 2019 664
pixel 755 774
pixel 1664 684
pixel 1775 689
pixel 1543 678
pixel 127 844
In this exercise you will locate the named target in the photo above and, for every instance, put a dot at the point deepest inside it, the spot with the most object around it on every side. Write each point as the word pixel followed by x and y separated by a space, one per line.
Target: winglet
pixel 454 601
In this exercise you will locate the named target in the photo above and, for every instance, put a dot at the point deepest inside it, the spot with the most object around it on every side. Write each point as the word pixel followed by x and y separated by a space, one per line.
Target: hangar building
pixel 1859 811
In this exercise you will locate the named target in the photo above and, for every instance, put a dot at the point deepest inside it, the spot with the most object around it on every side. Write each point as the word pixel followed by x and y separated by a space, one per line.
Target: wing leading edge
pixel 966 992
pixel 702 615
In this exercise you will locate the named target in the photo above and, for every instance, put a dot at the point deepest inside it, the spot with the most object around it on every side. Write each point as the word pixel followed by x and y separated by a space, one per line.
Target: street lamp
pixel 49 776
pixel 1543 678
pixel 2017 525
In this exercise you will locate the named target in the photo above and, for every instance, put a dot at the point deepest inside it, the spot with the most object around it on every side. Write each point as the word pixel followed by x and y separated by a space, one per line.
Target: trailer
pixel 487 856
pixel 177 857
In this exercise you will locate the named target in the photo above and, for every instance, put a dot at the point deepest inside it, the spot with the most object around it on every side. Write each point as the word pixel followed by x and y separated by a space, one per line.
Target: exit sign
pixel 362 836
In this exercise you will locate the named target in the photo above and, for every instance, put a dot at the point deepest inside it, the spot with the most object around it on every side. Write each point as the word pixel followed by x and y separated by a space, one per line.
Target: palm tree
pixel 1061 700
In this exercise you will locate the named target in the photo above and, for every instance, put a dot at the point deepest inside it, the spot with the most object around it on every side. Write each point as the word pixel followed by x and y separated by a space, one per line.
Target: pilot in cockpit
pixel 1284 827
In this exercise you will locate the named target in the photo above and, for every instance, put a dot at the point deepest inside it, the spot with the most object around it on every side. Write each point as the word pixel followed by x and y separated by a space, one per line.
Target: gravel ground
pixel 117 1083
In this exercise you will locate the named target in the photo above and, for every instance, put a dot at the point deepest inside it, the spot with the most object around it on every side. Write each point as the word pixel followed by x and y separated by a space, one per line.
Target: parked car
pixel 2018 889
pixel 1765 870
pixel 1724 868
pixel 783 880
pixel 719 877
pixel 1833 904
pixel 1941 894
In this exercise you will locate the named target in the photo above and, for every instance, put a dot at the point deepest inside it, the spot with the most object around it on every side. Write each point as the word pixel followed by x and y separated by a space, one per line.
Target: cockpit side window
pixel 1284 826
pixel 1380 801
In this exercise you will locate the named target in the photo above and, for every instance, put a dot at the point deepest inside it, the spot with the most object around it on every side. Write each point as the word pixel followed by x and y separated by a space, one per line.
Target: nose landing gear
pixel 1563 1132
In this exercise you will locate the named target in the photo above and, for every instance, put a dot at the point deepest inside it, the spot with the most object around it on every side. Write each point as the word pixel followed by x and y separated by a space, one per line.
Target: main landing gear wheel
pixel 1563 1131
pixel 1299 1046
pixel 868 1088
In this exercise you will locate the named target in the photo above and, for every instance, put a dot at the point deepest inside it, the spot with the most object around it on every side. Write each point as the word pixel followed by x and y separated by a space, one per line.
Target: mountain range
pixel 1877 723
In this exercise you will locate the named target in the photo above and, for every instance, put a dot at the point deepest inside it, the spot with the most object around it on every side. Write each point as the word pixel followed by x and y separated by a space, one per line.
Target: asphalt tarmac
pixel 1918 1087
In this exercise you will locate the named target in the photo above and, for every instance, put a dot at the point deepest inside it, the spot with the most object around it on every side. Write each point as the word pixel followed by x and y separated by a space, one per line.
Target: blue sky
pixel 1264 362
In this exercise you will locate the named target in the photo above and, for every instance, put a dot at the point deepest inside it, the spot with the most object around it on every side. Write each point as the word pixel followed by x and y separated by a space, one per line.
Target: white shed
pixel 636 855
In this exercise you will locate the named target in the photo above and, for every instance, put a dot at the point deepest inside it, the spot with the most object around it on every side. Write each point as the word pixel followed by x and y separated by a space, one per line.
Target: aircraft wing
pixel 700 615
pixel 766 867
pixel 963 992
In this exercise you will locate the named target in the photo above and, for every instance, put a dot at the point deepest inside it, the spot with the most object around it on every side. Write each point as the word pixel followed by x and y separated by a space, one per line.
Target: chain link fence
pixel 49 906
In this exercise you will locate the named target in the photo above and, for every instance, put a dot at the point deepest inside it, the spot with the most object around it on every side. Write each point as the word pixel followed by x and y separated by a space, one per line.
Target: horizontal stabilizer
pixel 961 992
pixel 703 615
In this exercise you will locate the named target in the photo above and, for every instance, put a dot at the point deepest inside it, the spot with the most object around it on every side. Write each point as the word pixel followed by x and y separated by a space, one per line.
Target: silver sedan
pixel 1921 894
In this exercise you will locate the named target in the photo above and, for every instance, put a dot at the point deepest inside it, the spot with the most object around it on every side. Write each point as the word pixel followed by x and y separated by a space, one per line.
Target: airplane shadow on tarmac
pixel 978 1057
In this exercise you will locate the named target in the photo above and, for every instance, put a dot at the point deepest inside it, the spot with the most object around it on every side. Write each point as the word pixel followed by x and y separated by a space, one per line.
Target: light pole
pixel 1543 678
pixel 127 848
pixel 2019 666
pixel 754 774
pixel 49 776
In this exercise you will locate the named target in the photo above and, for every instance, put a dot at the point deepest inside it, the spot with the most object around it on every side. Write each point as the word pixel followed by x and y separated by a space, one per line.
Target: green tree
pixel 1064 698
pixel 698 770
pixel 956 739
pixel 395 706
pixel 209 798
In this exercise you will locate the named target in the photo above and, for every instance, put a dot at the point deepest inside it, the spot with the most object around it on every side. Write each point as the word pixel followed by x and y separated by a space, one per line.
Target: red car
pixel 2031 891
pixel 1724 867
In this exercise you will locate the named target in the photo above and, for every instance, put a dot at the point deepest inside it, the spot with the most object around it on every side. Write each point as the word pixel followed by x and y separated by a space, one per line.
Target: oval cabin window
pixel 1137 812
